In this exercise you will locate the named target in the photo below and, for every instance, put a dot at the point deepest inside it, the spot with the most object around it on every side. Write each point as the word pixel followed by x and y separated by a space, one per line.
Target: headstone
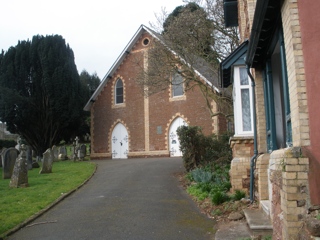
pixel 72 149
pixel 1 156
pixel 55 152
pixel 18 143
pixel 34 154
pixel 35 164
pixel 19 176
pixel 29 157
pixel 47 162
pixel 9 158
pixel 82 151
pixel 75 148
pixel 63 153
pixel 87 137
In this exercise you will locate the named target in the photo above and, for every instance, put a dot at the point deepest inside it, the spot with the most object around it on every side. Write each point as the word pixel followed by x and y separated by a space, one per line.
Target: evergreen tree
pixel 89 82
pixel 40 92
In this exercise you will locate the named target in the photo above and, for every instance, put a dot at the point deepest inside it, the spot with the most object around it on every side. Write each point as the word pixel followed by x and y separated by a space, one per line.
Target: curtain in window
pixel 246 111
pixel 244 77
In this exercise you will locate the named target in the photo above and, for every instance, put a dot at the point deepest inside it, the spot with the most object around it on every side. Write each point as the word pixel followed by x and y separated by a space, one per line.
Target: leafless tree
pixel 192 41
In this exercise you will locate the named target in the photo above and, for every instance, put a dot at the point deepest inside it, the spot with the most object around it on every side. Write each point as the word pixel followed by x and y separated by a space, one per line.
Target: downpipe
pixel 255 148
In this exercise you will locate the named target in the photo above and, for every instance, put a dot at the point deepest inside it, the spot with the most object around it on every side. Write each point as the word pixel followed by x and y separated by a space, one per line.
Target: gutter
pixel 255 148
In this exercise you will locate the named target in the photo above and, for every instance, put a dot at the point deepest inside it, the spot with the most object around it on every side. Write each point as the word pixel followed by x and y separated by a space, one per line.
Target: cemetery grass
pixel 18 204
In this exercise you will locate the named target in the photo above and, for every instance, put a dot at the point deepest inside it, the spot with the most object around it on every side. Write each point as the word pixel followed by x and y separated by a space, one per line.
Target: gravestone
pixel 1 156
pixel 9 158
pixel 19 176
pixel 55 152
pixel 76 147
pixel 63 153
pixel 35 164
pixel 47 162
pixel 34 154
pixel 82 151
pixel 18 143
pixel 29 157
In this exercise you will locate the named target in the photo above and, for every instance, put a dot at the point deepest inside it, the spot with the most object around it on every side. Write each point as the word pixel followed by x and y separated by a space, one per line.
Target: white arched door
pixel 119 142
pixel 174 143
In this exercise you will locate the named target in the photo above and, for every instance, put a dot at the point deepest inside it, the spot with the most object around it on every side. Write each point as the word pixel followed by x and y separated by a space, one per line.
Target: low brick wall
pixel 288 175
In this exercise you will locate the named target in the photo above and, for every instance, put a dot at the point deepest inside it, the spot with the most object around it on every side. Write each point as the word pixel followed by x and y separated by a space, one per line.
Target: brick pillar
pixel 262 166
pixel 289 178
pixel 242 151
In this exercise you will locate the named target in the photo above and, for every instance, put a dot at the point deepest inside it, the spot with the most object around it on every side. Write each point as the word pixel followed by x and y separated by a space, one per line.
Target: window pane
pixel 177 85
pixel 119 83
pixel 119 92
pixel 119 99
pixel 243 76
pixel 177 90
pixel 246 110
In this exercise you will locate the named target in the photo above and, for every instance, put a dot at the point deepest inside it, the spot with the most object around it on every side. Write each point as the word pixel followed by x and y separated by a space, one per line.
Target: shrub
pixel 219 197
pixel 7 143
pixel 201 176
pixel 238 195
pixel 199 150
pixel 189 176
pixel 197 191
pixel 216 212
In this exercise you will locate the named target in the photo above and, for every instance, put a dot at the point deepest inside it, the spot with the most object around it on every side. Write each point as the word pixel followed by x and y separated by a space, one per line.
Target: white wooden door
pixel 174 143
pixel 119 142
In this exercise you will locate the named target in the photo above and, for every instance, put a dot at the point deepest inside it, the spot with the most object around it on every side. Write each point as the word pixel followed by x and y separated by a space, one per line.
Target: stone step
pixel 259 223
pixel 265 206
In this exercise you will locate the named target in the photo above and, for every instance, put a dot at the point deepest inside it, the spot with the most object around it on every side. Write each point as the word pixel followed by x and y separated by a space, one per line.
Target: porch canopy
pixel 237 57
pixel 265 22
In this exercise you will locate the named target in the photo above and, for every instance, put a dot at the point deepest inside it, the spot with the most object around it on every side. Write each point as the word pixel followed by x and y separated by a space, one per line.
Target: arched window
pixel 119 92
pixel 177 85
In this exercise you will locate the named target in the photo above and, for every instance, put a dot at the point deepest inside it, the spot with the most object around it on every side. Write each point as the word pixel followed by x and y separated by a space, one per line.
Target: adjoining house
pixel 125 123
pixel 280 49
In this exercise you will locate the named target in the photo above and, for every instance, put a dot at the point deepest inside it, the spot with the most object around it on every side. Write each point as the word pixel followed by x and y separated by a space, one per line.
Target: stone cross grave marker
pixel 75 148
pixel 47 162
pixel 9 158
pixel 19 176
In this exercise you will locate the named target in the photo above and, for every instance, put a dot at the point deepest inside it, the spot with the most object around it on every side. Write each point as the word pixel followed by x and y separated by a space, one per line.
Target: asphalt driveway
pixel 126 199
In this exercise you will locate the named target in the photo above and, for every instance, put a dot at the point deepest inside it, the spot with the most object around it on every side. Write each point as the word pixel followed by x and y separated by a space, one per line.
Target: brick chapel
pixel 125 123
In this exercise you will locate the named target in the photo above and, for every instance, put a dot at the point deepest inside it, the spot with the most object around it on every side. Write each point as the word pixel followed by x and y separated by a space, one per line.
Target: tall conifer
pixel 40 92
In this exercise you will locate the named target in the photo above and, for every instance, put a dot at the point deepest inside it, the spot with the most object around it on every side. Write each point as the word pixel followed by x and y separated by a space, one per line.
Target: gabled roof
pixel 142 29
pixel 237 57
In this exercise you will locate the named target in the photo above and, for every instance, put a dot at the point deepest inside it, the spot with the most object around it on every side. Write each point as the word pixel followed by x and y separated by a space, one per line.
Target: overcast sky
pixel 96 30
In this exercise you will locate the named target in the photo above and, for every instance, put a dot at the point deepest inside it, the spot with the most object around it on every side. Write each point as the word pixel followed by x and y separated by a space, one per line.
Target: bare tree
pixel 190 42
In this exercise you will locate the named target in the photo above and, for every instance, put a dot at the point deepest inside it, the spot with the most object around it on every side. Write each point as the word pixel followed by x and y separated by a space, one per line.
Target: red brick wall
pixel 310 34
pixel 193 110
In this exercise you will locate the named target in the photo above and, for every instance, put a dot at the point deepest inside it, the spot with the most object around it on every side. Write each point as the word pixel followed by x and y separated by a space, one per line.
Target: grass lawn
pixel 18 204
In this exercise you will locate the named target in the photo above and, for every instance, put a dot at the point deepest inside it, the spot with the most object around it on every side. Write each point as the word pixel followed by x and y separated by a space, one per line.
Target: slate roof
pixel 201 67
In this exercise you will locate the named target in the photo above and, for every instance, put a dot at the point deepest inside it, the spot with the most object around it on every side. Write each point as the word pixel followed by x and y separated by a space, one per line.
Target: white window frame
pixel 237 103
